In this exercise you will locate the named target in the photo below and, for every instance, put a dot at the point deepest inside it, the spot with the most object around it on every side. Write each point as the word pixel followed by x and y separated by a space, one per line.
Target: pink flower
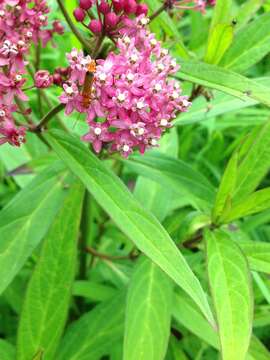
pixel 43 79
pixel 97 135
pixel 10 134
pixel 71 98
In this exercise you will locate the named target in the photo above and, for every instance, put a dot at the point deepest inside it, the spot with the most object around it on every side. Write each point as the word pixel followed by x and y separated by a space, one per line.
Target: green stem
pixel 43 122
pixel 73 28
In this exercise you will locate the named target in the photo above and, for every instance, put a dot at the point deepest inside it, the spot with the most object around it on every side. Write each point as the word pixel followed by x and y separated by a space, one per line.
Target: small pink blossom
pixel 43 79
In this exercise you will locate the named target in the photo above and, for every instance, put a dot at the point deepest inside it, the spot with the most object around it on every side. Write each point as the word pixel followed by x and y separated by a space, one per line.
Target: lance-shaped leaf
pixel 94 334
pixel 222 12
pixel 258 255
pixel 250 45
pixel 139 225
pixel 226 188
pixel 48 294
pixel 216 77
pixel 26 219
pixel 230 284
pixel 148 313
pixel 254 161
pixel 220 39
pixel 176 175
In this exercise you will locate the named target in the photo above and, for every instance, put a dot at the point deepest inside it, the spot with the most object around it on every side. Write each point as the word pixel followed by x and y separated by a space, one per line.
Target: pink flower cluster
pixel 110 14
pixel 133 98
pixel 21 23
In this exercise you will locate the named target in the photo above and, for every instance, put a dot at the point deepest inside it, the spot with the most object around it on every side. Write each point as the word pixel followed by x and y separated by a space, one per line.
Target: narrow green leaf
pixel 7 351
pixel 139 225
pixel 246 12
pixel 186 314
pixel 222 12
pixel 176 175
pixel 226 187
pixel 220 40
pixel 148 313
pixel 251 44
pixel 254 203
pixel 48 294
pixel 258 255
pixel 93 335
pixel 93 291
pixel 230 283
pixel 230 82
pixel 26 219
pixel 254 161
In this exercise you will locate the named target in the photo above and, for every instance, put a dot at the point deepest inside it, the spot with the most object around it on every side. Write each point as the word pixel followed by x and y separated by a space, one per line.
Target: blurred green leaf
pixel 26 219
pixel 136 223
pixel 220 40
pixel 226 188
pixel 230 284
pixel 258 254
pixel 230 82
pixel 148 313
pixel 7 351
pixel 251 44
pixel 48 294
pixel 222 12
pixel 177 175
pixel 93 335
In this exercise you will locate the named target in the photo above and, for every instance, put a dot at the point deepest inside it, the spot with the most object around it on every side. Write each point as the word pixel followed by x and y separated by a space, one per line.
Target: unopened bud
pixel 79 14
pixel 95 26
pixel 85 4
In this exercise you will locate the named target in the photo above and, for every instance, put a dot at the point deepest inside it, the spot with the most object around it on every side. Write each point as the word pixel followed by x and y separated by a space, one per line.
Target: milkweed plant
pixel 134 180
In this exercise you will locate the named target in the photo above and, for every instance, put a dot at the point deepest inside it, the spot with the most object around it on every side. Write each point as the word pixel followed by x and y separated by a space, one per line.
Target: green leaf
pixel 139 225
pixel 230 82
pixel 186 314
pixel 256 202
pixel 251 44
pixel 220 40
pixel 7 351
pixel 246 12
pixel 230 283
pixel 202 110
pixel 48 294
pixel 226 187
pixel 92 290
pixel 148 313
pixel 93 335
pixel 222 12
pixel 254 161
pixel 258 255
pixel 176 175
pixel 26 219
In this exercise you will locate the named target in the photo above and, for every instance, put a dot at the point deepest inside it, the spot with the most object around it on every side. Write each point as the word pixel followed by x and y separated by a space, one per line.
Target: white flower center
pixel 153 42
pixel 164 52
pixel 18 77
pixel 97 131
pixel 69 90
pixel 185 102
pixel 141 131
pixel 153 142
pixel 160 67
pixel 20 139
pixel 140 105
pixel 130 77
pixel 42 18
pixel 144 21
pixel 2 113
pixel 102 77
pixel 29 34
pixel 173 64
pixel 126 40
pixel 126 148
pixel 134 58
pixel 157 87
pixel 175 95
pixel 21 43
pixel 2 13
pixel 121 97
pixel 163 122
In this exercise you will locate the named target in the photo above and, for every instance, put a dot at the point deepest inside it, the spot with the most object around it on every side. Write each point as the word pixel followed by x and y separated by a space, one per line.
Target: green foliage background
pixel 161 256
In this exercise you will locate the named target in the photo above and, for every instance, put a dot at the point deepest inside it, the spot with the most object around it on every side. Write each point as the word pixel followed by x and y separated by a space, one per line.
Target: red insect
pixel 88 84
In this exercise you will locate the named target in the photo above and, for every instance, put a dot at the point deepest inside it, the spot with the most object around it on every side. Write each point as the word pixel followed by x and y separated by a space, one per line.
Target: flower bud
pixel 141 9
pixel 111 19
pixel 79 14
pixel 85 4
pixel 43 79
pixel 118 5
pixel 130 6
pixel 58 27
pixel 57 79
pixel 95 26
pixel 104 7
